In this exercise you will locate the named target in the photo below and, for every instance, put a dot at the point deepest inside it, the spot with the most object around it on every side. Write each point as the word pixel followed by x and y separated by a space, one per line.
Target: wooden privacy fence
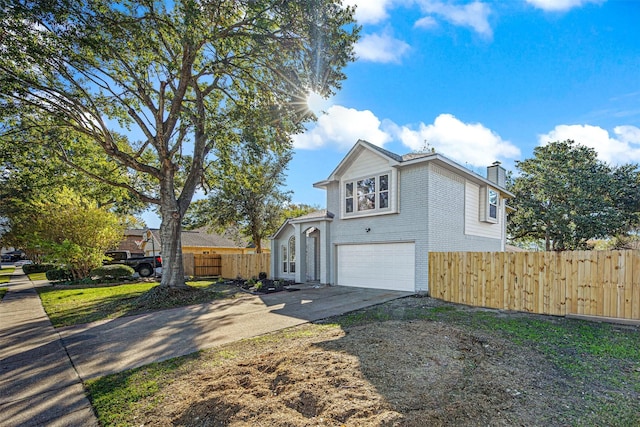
pixel 589 283
pixel 229 266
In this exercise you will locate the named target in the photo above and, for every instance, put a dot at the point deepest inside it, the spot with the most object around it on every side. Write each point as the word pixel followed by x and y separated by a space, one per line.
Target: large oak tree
pixel 565 196
pixel 158 85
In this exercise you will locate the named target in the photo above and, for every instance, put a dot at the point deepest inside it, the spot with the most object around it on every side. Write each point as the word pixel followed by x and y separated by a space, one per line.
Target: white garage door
pixel 381 266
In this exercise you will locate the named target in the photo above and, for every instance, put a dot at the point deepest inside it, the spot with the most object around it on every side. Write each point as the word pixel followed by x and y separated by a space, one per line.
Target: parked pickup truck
pixel 142 265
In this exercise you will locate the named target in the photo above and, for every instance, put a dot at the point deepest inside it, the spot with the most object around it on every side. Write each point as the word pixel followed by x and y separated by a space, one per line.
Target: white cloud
pixel 426 22
pixel 628 134
pixel 369 11
pixel 622 148
pixel 342 127
pixel 473 15
pixel 559 5
pixel 471 143
pixel 381 48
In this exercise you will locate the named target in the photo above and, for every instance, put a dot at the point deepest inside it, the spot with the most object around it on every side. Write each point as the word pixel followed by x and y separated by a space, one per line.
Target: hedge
pixel 113 271
pixel 37 268
pixel 59 275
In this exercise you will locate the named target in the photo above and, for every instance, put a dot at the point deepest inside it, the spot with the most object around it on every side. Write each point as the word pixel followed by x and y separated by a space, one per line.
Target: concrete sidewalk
pixel 42 369
pixel 38 383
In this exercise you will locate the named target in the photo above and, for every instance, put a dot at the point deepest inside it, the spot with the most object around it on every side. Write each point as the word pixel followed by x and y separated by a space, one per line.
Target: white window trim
pixel 485 208
pixel 392 195
pixel 291 244
pixel 285 257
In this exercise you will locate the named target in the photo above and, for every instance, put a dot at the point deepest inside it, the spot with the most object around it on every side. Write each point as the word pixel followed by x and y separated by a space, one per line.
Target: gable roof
pixel 398 161
pixel 204 239
pixel 320 215
pixel 358 148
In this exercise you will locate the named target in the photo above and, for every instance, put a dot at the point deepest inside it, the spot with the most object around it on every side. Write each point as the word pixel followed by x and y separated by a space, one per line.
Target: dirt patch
pixel 392 373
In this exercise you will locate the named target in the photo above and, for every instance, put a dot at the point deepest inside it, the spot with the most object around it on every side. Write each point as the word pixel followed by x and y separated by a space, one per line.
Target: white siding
pixel 472 224
pixel 366 164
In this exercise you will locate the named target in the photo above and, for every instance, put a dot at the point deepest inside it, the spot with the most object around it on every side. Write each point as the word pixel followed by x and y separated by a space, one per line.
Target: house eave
pixel 322 184
pixel 461 170
pixel 361 145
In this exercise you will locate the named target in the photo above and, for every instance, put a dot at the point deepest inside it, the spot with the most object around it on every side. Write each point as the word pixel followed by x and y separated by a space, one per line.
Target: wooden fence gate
pixel 229 266
pixel 207 265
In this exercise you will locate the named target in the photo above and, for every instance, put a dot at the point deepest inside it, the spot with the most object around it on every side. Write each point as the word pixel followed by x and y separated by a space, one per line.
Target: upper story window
pixel 489 200
pixel 367 195
pixel 493 204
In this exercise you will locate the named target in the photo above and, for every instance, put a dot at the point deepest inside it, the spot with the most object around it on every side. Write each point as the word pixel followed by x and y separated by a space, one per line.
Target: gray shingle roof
pixel 205 239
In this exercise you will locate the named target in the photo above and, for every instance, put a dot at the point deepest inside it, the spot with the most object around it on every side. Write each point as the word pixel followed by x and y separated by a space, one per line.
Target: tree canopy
pixel 68 229
pixel 247 194
pixel 158 85
pixel 565 197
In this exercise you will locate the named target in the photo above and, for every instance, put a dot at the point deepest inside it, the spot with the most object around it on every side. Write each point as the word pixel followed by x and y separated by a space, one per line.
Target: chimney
pixel 497 174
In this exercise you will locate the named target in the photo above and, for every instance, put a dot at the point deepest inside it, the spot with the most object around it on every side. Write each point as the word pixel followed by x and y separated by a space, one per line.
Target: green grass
pixel 5 274
pixel 117 396
pixel 75 305
pixel 38 276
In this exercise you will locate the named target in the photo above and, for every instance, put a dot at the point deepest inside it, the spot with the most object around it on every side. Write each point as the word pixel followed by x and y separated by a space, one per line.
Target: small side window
pixel 285 259
pixel 349 197
pixel 493 205
pixel 292 254
pixel 384 191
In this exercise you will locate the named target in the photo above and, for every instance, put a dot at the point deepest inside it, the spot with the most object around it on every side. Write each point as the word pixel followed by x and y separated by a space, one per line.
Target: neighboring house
pixel 385 213
pixel 199 241
pixel 132 241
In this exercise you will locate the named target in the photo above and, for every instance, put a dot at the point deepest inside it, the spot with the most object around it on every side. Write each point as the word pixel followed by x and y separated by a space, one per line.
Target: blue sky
pixel 481 81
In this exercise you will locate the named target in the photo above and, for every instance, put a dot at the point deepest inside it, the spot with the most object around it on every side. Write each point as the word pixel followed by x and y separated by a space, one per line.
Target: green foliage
pixel 113 271
pixel 37 268
pixel 566 197
pixel 59 275
pixel 67 229
pixel 294 210
pixel 3 291
pixel 247 192
pixel 189 77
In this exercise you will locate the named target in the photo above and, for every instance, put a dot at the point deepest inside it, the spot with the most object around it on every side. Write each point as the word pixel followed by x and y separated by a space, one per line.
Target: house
pixel 385 213
pixel 132 241
pixel 199 241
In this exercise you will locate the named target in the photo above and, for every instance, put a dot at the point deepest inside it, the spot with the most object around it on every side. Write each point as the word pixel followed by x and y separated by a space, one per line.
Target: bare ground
pixel 419 372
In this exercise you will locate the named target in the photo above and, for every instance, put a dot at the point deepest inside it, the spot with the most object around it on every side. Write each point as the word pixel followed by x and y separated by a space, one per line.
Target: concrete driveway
pixel 106 347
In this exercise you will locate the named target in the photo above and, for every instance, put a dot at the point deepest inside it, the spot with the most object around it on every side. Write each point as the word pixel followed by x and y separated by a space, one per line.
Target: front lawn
pixel 409 362
pixel 5 274
pixel 38 276
pixel 71 305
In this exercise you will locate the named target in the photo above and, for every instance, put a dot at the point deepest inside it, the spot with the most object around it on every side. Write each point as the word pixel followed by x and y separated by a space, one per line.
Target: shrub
pixel 262 275
pixel 59 275
pixel 37 268
pixel 113 271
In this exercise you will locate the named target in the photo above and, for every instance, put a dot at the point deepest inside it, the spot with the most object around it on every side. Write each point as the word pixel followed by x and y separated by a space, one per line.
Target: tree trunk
pixel 171 236
pixel 171 242
pixel 258 244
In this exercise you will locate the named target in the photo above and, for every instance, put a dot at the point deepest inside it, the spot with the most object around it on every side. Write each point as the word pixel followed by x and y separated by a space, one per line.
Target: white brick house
pixel 385 213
